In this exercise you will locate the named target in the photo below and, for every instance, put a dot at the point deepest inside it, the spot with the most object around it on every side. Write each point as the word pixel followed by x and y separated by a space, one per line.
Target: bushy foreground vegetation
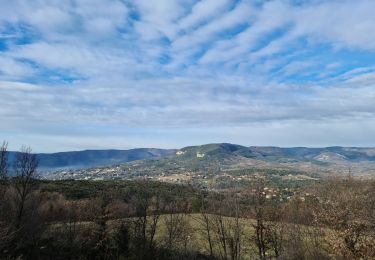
pixel 334 219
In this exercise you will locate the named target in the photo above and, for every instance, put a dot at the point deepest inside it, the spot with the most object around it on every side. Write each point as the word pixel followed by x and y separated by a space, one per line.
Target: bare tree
pixel 6 233
pixel 147 215
pixel 258 202
pixel 156 208
pixel 205 224
pixel 227 227
pixel 103 248
pixel 176 225
pixel 235 228
pixel 3 169
pixel 21 207
pixel 140 223
pixel 3 161
pixel 220 229
pixel 24 181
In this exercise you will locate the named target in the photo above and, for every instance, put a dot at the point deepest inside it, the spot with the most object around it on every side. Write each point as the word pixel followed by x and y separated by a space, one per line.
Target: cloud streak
pixel 83 66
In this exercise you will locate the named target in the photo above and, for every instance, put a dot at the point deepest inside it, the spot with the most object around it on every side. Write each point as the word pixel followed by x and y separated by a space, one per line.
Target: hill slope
pixel 221 160
pixel 94 158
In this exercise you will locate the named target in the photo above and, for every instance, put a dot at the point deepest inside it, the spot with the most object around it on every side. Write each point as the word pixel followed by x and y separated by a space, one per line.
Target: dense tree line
pixel 334 219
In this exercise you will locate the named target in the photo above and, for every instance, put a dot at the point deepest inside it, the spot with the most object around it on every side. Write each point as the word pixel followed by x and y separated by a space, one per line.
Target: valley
pixel 222 166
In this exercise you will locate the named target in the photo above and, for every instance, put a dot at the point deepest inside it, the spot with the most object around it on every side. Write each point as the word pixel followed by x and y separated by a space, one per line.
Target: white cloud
pixel 298 67
pixel 157 18
pixel 185 66
pixel 207 33
pixel 272 16
pixel 346 24
pixel 202 12
pixel 11 69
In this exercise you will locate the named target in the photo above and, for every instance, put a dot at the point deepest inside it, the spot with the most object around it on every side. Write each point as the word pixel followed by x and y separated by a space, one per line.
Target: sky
pixel 99 74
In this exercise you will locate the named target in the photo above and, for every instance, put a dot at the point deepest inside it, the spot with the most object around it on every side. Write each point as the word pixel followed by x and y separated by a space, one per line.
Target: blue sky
pixel 91 74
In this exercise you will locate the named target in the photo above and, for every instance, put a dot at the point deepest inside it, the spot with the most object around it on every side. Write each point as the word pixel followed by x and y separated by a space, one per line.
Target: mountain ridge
pixel 213 153
pixel 93 158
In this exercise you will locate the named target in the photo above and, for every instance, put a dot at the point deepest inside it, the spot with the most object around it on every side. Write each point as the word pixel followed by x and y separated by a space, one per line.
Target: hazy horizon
pixel 178 148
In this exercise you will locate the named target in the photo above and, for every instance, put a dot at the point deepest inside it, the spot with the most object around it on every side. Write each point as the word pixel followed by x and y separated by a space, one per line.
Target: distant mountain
pixel 318 160
pixel 215 162
pixel 93 158
pixel 216 151
pixel 214 158
pixel 328 154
